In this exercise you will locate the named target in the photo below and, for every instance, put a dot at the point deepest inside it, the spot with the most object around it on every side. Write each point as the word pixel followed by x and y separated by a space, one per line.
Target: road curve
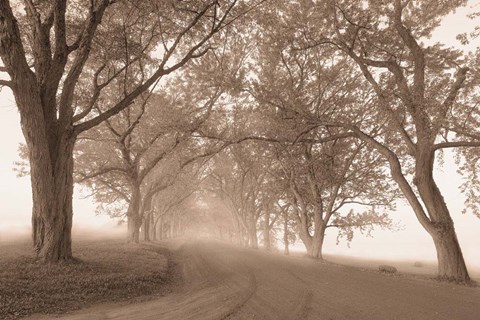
pixel 226 282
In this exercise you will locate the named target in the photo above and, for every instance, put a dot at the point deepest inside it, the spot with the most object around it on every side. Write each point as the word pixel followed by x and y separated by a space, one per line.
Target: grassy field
pixel 106 271
pixel 422 268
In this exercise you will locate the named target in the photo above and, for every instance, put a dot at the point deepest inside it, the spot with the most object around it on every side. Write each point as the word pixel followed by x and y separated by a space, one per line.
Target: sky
pixel 410 243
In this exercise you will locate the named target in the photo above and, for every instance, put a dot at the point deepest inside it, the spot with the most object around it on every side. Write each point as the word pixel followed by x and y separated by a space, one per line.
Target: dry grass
pixel 105 271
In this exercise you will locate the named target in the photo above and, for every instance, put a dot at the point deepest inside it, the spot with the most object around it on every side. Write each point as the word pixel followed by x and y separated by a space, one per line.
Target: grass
pixel 106 271
pixel 425 269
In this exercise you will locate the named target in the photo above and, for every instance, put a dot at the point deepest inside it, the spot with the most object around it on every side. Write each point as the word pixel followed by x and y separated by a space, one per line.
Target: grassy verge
pixel 106 271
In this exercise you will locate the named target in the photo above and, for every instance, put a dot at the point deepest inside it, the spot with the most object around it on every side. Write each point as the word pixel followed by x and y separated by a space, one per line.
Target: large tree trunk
pixel 451 264
pixel 313 244
pixel 133 230
pixel 438 223
pixel 317 244
pixel 52 191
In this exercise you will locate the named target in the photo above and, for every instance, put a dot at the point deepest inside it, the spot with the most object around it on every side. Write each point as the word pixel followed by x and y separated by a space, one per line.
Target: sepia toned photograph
pixel 240 159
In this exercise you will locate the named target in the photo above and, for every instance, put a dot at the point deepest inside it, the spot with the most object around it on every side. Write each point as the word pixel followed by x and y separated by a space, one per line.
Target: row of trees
pixel 294 115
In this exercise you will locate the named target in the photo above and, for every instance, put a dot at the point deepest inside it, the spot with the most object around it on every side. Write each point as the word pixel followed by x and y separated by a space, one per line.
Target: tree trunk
pixel 160 228
pixel 154 228
pixel 133 230
pixel 313 244
pixel 146 228
pixel 52 192
pixel 245 238
pixel 317 244
pixel 267 240
pixel 266 234
pixel 170 228
pixel 285 235
pixel 252 236
pixel 436 220
pixel 153 231
pixel 134 220
pixel 451 264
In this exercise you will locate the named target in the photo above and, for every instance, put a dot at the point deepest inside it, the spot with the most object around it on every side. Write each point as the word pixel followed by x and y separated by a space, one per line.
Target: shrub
pixel 387 269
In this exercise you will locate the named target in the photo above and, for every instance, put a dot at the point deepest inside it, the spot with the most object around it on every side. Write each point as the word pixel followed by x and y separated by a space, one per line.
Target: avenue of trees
pixel 267 121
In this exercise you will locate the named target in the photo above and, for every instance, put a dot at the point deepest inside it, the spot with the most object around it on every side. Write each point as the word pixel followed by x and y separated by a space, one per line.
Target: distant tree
pixel 294 91
pixel 124 153
pixel 288 226
pixel 160 204
pixel 329 186
pixel 239 178
pixel 61 56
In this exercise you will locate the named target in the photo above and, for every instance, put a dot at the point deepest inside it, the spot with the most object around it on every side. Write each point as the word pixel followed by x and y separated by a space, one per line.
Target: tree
pixel 288 225
pixel 321 168
pixel 122 156
pixel 417 91
pixel 239 178
pixel 60 53
pixel 328 187
pixel 166 204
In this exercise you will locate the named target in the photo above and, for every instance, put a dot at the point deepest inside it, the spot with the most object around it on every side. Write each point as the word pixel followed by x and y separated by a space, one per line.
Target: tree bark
pixel 451 264
pixel 52 192
pixel 313 244
pixel 317 244
pixel 252 236
pixel 133 230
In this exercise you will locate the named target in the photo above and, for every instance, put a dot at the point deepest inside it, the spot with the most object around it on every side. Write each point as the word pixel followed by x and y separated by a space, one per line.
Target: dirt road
pixel 225 282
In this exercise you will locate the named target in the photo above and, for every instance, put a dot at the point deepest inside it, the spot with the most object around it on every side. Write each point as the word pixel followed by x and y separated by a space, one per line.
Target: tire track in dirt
pixel 251 289
pixel 305 305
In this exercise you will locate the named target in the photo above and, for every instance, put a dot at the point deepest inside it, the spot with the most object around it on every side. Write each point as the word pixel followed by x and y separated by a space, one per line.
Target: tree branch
pixel 417 52
pixel 6 83
pixel 126 101
pixel 456 144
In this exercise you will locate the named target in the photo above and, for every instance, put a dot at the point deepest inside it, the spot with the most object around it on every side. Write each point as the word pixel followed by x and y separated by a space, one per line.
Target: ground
pixel 104 271
pixel 227 282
